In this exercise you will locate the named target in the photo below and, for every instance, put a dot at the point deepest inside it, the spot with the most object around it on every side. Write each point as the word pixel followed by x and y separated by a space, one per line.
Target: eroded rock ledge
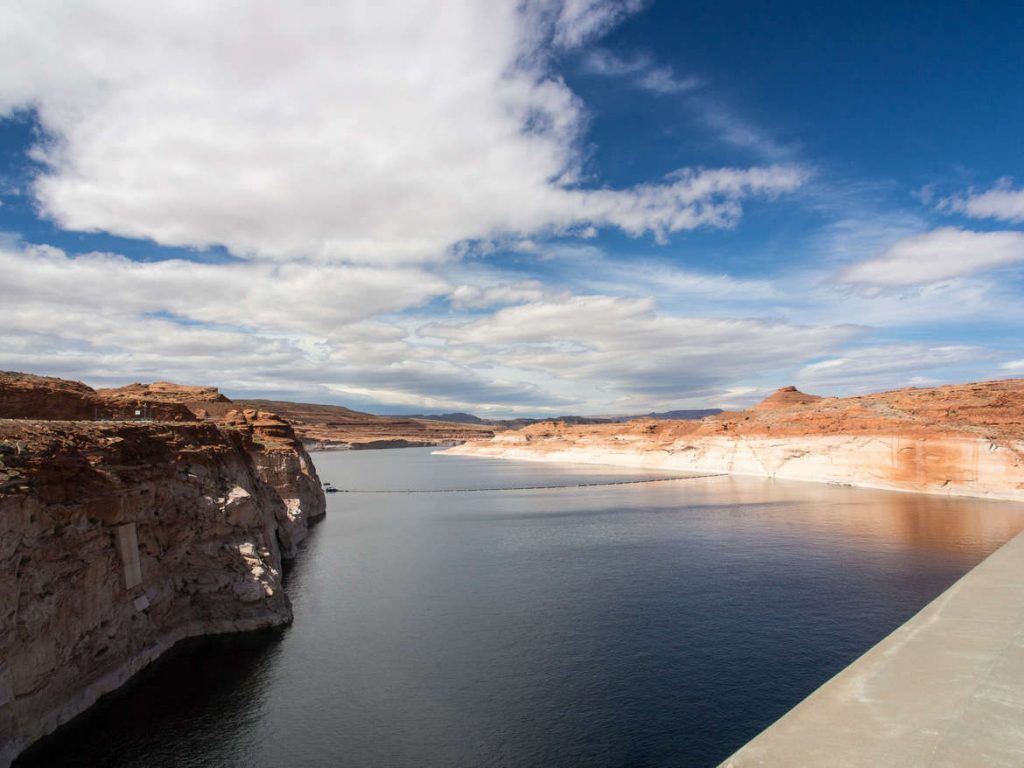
pixel 119 539
pixel 964 440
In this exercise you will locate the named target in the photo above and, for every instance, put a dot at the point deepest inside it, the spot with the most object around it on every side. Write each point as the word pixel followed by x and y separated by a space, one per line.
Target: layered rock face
pixel 283 463
pixel 118 539
pixel 964 440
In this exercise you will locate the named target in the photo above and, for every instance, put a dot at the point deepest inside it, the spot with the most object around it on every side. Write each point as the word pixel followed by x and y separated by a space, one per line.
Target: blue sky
pixel 513 208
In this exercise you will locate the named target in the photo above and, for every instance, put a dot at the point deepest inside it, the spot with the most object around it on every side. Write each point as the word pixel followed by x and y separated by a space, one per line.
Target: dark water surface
pixel 659 624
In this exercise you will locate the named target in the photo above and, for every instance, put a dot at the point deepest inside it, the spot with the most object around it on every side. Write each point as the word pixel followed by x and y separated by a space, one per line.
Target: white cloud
pixel 938 255
pixel 1013 365
pixel 480 297
pixel 695 199
pixel 246 327
pixel 369 132
pixel 733 129
pixel 641 70
pixel 1002 202
pixel 583 20
pixel 291 297
pixel 597 274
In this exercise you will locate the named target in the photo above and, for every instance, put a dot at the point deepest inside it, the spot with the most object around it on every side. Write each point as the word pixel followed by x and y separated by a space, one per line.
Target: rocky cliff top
pixel 267 428
pixel 66 462
pixel 27 396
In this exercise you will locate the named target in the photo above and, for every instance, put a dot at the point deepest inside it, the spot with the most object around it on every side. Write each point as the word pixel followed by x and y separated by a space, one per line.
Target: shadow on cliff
pixel 209 688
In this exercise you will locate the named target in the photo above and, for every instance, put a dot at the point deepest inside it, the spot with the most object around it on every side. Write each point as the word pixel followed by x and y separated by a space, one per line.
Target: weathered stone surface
pixel 965 440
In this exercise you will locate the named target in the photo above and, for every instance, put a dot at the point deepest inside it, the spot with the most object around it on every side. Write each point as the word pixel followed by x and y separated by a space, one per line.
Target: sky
pixel 521 207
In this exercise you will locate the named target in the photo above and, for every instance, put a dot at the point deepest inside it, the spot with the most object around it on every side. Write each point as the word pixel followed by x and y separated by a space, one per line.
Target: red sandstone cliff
pixel 960 440
pixel 120 538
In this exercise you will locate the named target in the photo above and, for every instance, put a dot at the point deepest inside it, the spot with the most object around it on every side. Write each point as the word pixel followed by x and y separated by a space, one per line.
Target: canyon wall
pixel 119 539
pixel 964 440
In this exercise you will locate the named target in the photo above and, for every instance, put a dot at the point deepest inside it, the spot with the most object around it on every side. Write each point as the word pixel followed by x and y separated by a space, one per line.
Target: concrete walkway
pixel 946 689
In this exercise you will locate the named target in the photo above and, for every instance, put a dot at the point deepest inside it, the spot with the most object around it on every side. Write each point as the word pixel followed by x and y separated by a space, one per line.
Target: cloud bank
pixel 370 132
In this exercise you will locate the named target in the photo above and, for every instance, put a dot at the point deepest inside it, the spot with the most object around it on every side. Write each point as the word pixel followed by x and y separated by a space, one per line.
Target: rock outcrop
pixel 160 401
pixel 26 396
pixel 282 462
pixel 120 538
pixel 963 440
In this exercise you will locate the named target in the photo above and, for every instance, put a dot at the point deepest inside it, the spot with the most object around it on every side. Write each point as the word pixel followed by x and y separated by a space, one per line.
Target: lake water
pixel 658 624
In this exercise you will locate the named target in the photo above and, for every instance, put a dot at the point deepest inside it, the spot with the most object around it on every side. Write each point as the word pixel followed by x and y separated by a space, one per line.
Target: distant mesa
pixel 786 397
pixel 164 391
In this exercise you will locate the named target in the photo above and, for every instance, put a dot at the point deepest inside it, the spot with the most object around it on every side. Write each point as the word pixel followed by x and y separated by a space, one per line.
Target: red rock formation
pixel 786 397
pixel 165 392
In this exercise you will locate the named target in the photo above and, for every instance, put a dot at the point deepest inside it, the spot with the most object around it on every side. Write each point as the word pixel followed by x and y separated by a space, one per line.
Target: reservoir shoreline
pixel 872 463
pixel 958 440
